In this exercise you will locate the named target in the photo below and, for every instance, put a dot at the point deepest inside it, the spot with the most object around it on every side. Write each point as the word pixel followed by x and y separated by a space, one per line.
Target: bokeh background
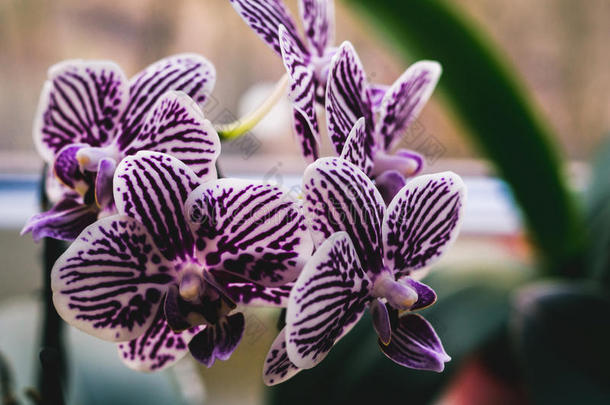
pixel 559 48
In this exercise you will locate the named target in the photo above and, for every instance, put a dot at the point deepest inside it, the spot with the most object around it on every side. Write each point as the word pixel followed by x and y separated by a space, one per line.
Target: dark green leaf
pixel 598 217
pixel 562 333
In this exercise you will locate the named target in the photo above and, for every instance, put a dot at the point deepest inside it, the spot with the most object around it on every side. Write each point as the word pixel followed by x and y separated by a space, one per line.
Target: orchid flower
pixel 365 133
pixel 164 275
pixel 306 62
pixel 367 256
pixel 90 117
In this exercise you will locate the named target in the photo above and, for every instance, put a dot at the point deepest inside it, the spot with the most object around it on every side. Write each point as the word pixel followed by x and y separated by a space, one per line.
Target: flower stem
pixel 249 121
pixel 52 355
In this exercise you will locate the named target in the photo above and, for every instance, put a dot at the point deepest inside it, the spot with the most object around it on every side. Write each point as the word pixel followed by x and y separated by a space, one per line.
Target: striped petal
pixel 65 221
pixel 327 300
pixel 318 17
pixel 250 229
pixel 190 73
pixel 264 17
pixel 308 141
pixel 81 102
pixel 302 91
pixel 422 221
pixel 277 366
pixel 218 341
pixel 347 98
pixel 405 99
pixel 355 150
pixel 110 281
pixel 247 293
pixel 176 126
pixel 157 348
pixel 255 295
pixel 339 197
pixel 415 344
pixel 152 188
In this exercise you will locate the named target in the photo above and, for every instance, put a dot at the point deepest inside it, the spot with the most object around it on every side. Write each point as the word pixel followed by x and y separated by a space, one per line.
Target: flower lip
pixel 89 157
pixel 399 295
pixel 405 162
pixel 191 285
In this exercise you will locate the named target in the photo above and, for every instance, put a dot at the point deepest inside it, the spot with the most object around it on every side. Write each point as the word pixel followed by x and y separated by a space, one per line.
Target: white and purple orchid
pixel 164 274
pixel 323 74
pixel 164 252
pixel 306 62
pixel 90 117
pixel 366 133
pixel 367 256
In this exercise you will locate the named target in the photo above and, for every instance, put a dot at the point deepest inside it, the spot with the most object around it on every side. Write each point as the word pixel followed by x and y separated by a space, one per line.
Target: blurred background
pixel 557 48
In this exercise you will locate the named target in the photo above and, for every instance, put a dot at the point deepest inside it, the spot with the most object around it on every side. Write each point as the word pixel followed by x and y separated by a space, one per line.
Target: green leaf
pixel 598 217
pixel 487 96
pixel 562 333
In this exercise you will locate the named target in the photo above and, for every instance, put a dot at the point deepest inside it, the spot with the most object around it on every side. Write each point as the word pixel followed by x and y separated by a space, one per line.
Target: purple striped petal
pixel 110 281
pixel 318 17
pixel 65 221
pixel 251 229
pixel 103 184
pixel 415 344
pixel 190 73
pixel 339 197
pixel 425 295
pixel 422 221
pixel 296 60
pixel 308 141
pixel 158 348
pixel 405 99
pixel 347 98
pixel 389 183
pixel 81 102
pixel 381 320
pixel 152 188
pixel 264 17
pixel 302 91
pixel 218 341
pixel 326 302
pixel 247 293
pixel 176 126
pixel 355 150
pixel 68 171
pixel 258 296
pixel 277 366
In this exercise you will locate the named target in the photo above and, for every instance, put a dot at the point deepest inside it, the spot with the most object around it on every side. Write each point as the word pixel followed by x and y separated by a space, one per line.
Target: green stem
pixel 249 121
